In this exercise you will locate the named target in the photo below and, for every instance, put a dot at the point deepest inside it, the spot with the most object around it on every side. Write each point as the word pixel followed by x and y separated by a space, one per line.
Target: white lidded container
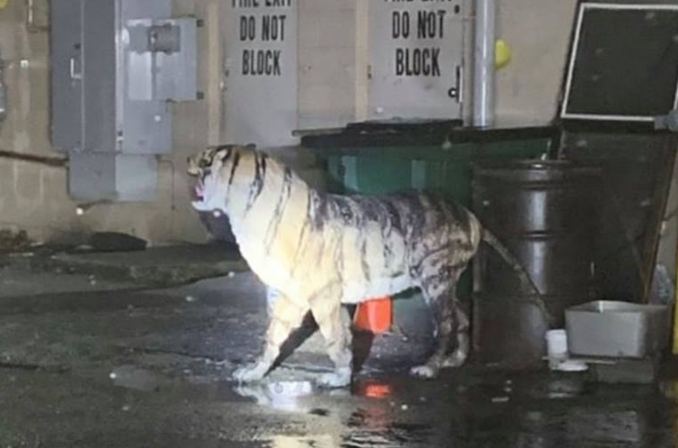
pixel 617 329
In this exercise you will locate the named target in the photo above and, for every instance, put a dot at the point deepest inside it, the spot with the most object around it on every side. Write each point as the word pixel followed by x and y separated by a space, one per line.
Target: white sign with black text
pixel 261 68
pixel 416 53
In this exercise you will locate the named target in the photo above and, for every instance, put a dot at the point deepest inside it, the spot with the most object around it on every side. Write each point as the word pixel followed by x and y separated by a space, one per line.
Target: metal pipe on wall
pixel 483 78
pixel 57 162
pixel 3 94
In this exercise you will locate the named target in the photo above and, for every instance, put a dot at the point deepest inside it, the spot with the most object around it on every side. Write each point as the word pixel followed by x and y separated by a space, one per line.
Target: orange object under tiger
pixel 374 315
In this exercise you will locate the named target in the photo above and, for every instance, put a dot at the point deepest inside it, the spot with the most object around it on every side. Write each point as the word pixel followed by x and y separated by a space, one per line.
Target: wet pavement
pixel 129 368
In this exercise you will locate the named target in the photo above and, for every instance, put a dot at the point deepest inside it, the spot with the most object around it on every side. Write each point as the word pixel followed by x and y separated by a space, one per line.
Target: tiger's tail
pixel 520 270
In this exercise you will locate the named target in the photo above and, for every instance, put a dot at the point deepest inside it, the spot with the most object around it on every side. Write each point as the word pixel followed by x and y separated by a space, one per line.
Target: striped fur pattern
pixel 322 251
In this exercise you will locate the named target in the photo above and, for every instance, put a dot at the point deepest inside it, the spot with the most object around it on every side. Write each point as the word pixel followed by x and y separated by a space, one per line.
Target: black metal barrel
pixel 545 213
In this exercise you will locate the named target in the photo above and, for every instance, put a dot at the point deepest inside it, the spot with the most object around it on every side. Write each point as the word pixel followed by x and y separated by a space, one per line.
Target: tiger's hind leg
pixel 335 326
pixel 460 353
pixel 439 293
pixel 286 317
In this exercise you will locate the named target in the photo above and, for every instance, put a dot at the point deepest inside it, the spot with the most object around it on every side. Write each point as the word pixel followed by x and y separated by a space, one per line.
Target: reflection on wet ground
pixel 138 371
pixel 470 408
pixel 537 410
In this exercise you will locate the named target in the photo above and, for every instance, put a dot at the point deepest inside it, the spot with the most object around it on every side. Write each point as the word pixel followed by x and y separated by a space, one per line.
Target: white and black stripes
pixel 322 250
pixel 234 168
pixel 258 181
pixel 302 241
pixel 274 224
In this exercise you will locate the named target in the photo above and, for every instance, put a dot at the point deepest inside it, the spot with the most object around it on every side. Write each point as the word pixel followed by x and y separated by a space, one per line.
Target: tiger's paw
pixel 456 359
pixel 250 373
pixel 338 378
pixel 426 371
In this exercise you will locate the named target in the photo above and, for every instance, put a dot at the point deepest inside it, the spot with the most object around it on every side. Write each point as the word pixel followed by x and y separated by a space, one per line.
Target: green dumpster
pixel 377 158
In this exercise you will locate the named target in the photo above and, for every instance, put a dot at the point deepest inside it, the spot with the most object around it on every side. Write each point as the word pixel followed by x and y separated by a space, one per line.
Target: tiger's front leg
pixel 286 317
pixel 335 326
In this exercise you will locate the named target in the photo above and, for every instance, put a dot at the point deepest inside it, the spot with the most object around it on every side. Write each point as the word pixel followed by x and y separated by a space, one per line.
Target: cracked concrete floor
pixel 124 368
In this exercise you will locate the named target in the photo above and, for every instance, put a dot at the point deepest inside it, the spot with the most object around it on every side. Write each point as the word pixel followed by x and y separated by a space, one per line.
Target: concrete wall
pixel 539 34
pixel 327 62
pixel 31 197
pixel 332 91
pixel 333 58
pixel 35 198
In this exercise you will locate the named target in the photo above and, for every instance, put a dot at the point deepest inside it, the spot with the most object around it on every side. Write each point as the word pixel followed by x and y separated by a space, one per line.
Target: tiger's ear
pixel 224 152
pixel 193 169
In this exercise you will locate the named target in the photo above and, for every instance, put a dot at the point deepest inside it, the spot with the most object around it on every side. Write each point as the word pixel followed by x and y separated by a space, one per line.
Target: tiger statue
pixel 321 251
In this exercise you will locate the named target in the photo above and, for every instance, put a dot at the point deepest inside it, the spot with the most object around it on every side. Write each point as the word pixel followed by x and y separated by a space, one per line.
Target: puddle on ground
pixel 192 388
pixel 290 395
pixel 536 412
pixel 280 395
pixel 374 427
pixel 132 377
pixel 372 424
pixel 319 441
pixel 561 388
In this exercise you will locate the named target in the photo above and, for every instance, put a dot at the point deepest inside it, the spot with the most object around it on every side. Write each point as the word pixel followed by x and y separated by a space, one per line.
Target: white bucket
pixel 556 347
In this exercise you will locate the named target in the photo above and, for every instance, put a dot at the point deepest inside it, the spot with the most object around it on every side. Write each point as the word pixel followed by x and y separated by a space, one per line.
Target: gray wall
pixel 332 90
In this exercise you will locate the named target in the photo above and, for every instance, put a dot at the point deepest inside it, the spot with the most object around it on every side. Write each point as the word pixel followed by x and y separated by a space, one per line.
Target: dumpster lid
pixel 623 64
pixel 417 133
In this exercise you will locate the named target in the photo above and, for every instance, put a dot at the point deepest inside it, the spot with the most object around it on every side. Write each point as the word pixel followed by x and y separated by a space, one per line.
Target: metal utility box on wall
pixel 115 65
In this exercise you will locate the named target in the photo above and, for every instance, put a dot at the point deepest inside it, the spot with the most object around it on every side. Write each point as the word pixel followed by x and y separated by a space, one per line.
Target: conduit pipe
pixel 483 78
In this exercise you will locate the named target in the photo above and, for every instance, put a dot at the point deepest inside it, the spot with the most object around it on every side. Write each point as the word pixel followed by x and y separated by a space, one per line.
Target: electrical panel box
pixel 116 66
pixel 104 176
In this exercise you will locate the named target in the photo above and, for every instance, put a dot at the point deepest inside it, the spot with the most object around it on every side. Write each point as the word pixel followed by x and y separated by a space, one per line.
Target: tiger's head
pixel 219 173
